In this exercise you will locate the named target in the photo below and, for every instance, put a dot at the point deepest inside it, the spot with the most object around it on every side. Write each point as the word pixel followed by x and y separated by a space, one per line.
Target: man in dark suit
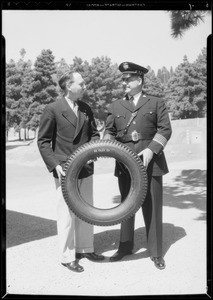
pixel 142 123
pixel 64 126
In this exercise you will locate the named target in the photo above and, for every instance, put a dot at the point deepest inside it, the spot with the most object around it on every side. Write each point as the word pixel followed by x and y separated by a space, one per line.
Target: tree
pixel 163 75
pixel 159 75
pixel 182 20
pixel 61 67
pixel 24 102
pixel 22 53
pixel 171 72
pixel 183 92
pixel 13 95
pixel 43 88
pixel 200 93
pixel 25 71
pixel 103 83
pixel 19 76
pixel 152 84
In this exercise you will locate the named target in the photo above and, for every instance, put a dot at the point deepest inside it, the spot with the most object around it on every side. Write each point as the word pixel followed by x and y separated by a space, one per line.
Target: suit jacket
pixel 152 122
pixel 61 132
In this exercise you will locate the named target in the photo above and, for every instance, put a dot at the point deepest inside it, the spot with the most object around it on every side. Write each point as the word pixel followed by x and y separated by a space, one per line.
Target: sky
pixel 142 37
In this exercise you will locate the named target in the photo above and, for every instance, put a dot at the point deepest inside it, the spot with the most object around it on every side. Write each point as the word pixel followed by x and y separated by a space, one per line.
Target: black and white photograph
pixel 105 138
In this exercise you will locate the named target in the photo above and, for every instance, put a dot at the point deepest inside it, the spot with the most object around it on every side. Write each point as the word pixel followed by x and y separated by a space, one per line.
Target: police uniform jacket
pixel 151 122
pixel 61 133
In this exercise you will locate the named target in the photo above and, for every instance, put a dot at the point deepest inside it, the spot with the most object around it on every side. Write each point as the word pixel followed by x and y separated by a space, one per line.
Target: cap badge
pixel 125 66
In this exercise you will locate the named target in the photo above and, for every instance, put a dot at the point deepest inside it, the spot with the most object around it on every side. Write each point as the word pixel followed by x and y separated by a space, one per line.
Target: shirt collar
pixel 137 96
pixel 70 102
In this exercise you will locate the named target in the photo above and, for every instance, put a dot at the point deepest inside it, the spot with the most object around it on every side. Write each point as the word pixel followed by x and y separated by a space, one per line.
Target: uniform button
pixel 134 122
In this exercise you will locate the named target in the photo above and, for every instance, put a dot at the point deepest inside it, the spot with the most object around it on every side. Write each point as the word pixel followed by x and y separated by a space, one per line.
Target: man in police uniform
pixel 142 123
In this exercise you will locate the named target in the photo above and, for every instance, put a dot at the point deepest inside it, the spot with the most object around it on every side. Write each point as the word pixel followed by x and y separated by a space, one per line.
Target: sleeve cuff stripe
pixel 159 142
pixel 160 139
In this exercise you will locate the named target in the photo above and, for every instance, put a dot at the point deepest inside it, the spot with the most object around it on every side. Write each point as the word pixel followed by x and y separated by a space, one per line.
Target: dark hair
pixel 68 76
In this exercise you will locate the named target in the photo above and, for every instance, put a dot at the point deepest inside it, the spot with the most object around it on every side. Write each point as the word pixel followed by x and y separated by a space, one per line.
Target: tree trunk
pixel 36 132
pixel 24 137
pixel 7 133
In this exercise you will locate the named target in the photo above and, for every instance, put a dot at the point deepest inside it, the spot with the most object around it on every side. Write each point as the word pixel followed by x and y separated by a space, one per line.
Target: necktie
pixel 131 99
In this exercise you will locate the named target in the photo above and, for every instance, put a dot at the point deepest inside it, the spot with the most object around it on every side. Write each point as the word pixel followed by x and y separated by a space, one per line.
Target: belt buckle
pixel 135 136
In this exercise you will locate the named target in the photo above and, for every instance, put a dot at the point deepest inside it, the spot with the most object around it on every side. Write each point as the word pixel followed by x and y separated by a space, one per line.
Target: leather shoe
pixel 73 266
pixel 159 262
pixel 119 255
pixel 91 256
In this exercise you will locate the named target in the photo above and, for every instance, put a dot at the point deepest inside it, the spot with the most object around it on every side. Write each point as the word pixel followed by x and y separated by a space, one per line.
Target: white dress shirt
pixel 136 98
pixel 73 105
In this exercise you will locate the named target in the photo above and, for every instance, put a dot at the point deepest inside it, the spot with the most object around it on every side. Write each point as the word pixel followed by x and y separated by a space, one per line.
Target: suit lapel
pixel 68 113
pixel 141 101
pixel 127 104
pixel 80 120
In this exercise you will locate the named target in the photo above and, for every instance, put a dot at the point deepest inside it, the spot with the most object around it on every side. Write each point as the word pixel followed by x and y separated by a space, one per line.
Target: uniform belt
pixel 135 137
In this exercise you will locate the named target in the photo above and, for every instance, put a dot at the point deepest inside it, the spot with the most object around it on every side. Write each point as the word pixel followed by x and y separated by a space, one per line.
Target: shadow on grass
pixel 193 177
pixel 109 240
pixel 10 147
pixel 181 193
pixel 22 228
pixel 18 143
pixel 187 190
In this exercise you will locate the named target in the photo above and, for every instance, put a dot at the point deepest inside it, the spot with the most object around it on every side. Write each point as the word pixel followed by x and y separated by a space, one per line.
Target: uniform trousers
pixel 74 235
pixel 152 213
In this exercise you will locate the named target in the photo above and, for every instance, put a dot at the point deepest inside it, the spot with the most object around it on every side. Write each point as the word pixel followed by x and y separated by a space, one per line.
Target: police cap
pixel 128 69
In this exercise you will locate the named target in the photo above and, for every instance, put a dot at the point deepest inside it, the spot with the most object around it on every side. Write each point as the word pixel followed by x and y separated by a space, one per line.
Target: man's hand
pixel 108 136
pixel 147 156
pixel 59 171
pixel 91 160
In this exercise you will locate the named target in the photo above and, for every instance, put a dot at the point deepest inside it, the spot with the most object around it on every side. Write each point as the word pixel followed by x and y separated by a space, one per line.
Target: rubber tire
pixel 98 216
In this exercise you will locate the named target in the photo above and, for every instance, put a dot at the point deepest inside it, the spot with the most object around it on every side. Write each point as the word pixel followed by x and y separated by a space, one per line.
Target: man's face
pixel 77 87
pixel 132 85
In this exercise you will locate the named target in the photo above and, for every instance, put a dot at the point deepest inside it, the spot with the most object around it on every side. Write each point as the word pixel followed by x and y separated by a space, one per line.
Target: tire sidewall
pixel 91 214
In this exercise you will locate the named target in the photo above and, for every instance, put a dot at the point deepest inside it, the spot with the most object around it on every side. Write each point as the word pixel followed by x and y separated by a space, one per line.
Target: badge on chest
pixel 135 136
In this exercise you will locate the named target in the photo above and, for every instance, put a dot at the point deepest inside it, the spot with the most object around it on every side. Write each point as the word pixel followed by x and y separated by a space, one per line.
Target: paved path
pixel 32 266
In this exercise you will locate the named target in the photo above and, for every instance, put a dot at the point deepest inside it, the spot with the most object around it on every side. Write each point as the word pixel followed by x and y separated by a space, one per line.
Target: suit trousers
pixel 74 235
pixel 152 213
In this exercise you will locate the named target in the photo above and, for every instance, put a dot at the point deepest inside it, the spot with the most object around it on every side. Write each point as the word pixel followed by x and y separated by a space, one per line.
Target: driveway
pixel 31 256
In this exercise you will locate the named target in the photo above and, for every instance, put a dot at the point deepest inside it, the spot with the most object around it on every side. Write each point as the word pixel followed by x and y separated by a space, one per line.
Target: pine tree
pixel 102 81
pixel 27 75
pixel 81 67
pixel 181 92
pixel 84 69
pixel 61 68
pixel 16 101
pixel 171 72
pixel 200 87
pixel 163 75
pixel 152 84
pixel 166 75
pixel 159 75
pixel 182 20
pixel 43 89
pixel 13 96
